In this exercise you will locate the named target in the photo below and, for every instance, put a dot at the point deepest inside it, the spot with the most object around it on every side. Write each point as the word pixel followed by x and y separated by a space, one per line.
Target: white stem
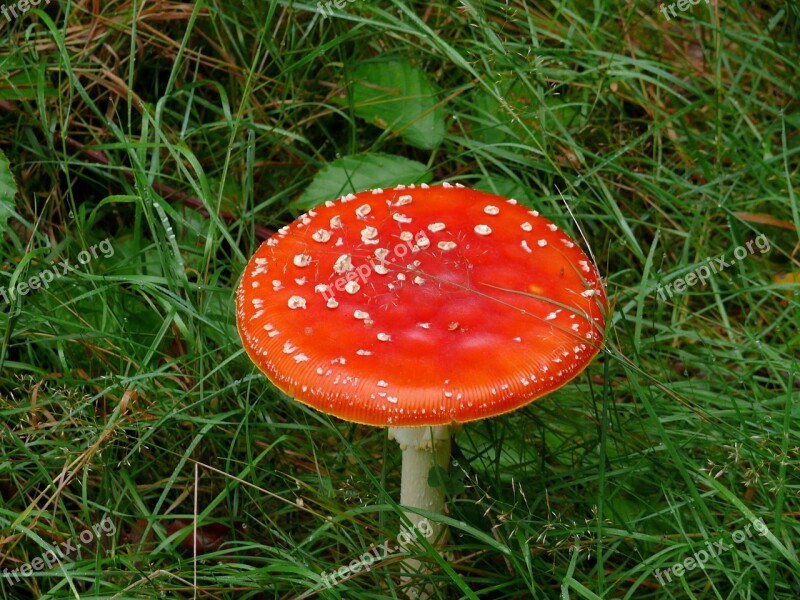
pixel 420 453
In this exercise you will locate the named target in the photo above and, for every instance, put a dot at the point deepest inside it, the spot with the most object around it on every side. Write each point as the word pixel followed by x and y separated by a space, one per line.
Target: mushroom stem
pixel 423 448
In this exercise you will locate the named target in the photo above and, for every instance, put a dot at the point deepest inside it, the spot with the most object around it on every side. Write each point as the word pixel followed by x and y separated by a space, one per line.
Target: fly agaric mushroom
pixel 419 307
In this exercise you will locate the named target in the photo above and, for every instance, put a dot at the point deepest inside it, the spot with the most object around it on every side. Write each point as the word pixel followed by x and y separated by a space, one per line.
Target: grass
pixel 184 133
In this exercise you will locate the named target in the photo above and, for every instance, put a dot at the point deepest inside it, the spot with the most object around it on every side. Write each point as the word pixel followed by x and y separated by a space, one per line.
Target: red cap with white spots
pixel 420 305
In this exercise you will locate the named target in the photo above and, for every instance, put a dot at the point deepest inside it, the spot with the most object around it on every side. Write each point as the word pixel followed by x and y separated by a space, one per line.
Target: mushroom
pixel 419 307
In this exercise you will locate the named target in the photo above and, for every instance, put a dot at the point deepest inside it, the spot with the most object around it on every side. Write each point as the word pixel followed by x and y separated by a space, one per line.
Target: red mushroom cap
pixel 420 306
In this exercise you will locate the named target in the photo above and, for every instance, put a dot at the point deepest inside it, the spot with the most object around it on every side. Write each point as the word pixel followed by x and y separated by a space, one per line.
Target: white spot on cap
pixel 382 383
pixel 511 201
pixel 526 226
pixel 297 302
pixel 320 288
pixel 422 241
pixel 301 260
pixel 321 235
pixel 419 280
pixel 276 285
pixel 406 236
pixel 343 264
pixel 273 333
pixel 403 200
pixel 401 218
pixel 381 253
pixel 288 348
pixel 491 210
pixel 349 197
pixel 584 266
pixel 551 316
pixel 526 247
pixel 261 261
pixel 535 213
pixel 567 243
pixel 336 222
pixel 377 191
pixel 254 284
pixel 369 233
pixel 424 186
pixel 542 243
pixel 351 287
pixel 272 242
pixel 434 227
pixel 588 293
pixel 424 325
pixel 360 314
pixel 483 229
pixel 446 185
pixel 400 186
pixel 364 352
pixel 258 302
pixel 446 245
pixel 401 277
pixel 329 204
pixel 300 280
pixel 384 337
pixel 552 227
pixel 392 399
pixel 517 339
pixel 300 357
pixel 331 303
pixel 363 210
pixel 381 270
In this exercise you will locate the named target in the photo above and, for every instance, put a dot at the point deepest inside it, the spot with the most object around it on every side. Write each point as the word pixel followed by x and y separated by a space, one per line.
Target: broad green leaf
pixel 397 96
pixel 515 114
pixel 495 184
pixel 8 189
pixel 491 124
pixel 22 85
pixel 361 172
